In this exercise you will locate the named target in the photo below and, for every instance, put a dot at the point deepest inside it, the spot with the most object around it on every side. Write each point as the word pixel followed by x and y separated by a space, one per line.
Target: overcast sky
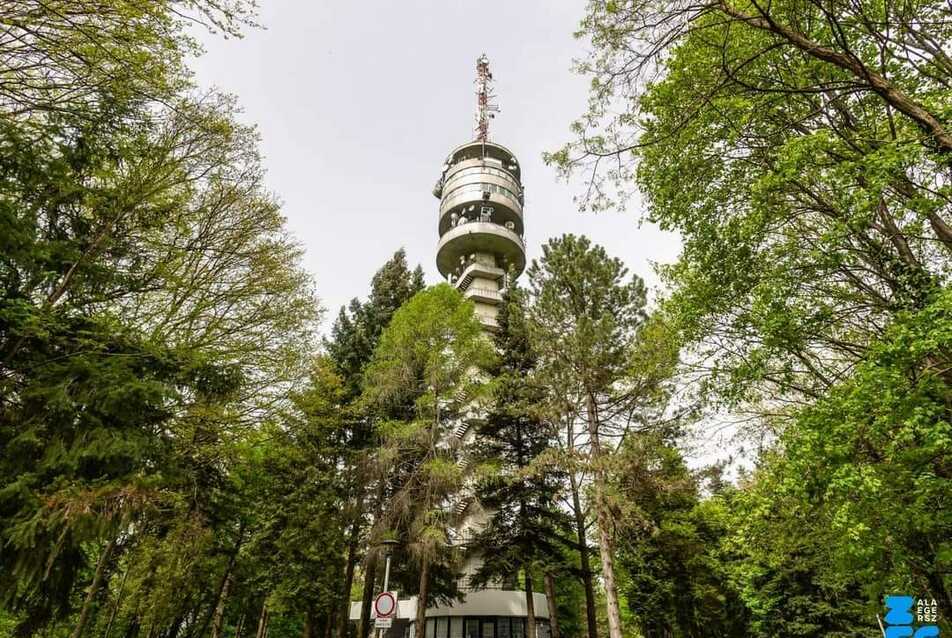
pixel 359 102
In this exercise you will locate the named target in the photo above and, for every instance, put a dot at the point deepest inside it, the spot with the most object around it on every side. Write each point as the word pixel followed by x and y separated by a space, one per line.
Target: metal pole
pixel 386 574
pixel 386 584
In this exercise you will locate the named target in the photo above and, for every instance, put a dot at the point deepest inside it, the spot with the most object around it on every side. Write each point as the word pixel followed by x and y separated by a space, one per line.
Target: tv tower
pixel 481 211
pixel 481 247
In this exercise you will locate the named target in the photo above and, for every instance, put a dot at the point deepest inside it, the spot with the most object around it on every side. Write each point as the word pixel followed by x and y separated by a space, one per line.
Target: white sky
pixel 359 102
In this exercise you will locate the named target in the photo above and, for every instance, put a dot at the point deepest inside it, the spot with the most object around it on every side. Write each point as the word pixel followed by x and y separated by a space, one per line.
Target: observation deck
pixel 481 223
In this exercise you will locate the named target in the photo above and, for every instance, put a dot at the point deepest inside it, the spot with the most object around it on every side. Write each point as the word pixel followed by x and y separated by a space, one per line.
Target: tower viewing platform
pixel 481 218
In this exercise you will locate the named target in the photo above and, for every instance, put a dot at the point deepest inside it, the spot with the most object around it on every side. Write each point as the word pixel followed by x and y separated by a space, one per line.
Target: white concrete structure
pixel 489 613
pixel 480 226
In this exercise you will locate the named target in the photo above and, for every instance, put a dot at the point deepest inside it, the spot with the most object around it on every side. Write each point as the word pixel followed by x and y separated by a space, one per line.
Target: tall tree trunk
pixel 584 559
pixel 217 609
pixel 263 619
pixel 530 604
pixel 98 579
pixel 132 630
pixel 218 620
pixel 549 581
pixel 605 549
pixel 115 607
pixel 348 579
pixel 422 598
pixel 603 522
pixel 241 623
pixel 370 575
pixel 308 630
pixel 173 629
pixel 370 579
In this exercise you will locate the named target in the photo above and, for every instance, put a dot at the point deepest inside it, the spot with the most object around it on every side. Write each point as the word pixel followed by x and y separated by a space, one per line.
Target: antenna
pixel 485 107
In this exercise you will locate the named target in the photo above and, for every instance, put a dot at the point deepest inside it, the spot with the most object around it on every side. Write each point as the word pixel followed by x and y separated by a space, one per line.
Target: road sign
pixel 385 605
pixel 383 623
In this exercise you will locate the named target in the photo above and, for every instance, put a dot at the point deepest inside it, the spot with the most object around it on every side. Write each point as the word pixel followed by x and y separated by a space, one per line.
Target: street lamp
pixel 388 546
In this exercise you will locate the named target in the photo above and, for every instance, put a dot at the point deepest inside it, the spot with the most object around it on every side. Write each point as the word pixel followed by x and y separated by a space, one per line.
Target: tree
pixel 78 61
pixel 354 337
pixel 298 540
pixel 520 486
pixel 153 310
pixel 357 330
pixel 425 371
pixel 585 316
pixel 784 578
pixel 676 580
pixel 799 148
pixel 782 142
pixel 856 489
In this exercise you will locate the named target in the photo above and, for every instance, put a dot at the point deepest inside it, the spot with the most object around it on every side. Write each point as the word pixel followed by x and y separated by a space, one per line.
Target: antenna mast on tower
pixel 486 108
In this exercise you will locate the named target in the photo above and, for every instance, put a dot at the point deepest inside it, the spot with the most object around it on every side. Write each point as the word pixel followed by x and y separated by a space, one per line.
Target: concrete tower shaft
pixel 481 223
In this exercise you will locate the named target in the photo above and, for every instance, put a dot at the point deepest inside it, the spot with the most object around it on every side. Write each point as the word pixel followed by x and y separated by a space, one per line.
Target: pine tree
pixel 354 337
pixel 357 328
pixel 584 320
pixel 519 489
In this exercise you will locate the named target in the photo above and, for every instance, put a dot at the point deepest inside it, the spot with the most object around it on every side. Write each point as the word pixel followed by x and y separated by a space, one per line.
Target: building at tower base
pixel 485 613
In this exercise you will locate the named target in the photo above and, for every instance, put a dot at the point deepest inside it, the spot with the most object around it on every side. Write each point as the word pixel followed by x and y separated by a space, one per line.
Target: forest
pixel 184 454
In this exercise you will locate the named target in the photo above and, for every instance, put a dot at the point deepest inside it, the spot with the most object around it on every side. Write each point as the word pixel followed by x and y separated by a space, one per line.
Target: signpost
pixel 385 604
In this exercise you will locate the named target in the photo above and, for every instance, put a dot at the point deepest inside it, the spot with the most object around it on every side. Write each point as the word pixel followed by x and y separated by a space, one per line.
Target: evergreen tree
pixel 584 320
pixel 354 337
pixel 520 489
pixel 357 329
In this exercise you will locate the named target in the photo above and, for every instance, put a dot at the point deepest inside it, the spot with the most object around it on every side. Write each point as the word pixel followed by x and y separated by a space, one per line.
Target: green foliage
pixel 584 313
pixel 427 369
pixel 865 471
pixel 585 317
pixel 800 151
pixel 521 489
pixel 298 539
pixel 778 563
pixel 357 330
pixel 809 202
pixel 674 573
pixel 425 353
pixel 154 319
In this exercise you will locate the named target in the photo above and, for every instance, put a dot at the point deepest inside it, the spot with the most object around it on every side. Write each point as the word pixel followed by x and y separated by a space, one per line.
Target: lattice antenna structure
pixel 486 107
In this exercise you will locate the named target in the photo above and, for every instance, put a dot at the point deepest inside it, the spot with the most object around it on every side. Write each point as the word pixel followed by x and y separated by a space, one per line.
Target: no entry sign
pixel 385 604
